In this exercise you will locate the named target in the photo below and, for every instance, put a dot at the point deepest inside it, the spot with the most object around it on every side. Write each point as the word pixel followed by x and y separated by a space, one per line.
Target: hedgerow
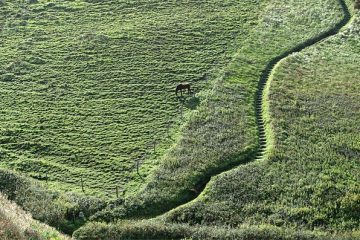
pixel 150 229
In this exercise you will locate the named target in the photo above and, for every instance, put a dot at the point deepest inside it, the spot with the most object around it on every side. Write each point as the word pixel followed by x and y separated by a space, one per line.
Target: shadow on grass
pixel 190 101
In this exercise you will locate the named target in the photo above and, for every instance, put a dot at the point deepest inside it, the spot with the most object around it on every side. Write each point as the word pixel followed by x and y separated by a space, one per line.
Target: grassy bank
pixel 65 211
pixel 16 224
pixel 310 181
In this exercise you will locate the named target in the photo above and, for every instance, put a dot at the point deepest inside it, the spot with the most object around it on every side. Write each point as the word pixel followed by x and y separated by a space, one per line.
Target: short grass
pixel 87 87
pixel 223 131
pixel 312 179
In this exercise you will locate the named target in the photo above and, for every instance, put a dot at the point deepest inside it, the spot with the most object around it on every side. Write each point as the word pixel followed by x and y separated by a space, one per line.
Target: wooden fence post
pixel 154 146
pixel 82 185
pixel 137 166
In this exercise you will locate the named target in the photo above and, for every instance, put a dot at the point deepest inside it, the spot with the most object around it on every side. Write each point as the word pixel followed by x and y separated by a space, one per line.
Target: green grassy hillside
pixel 88 86
pixel 309 181
pixel 223 131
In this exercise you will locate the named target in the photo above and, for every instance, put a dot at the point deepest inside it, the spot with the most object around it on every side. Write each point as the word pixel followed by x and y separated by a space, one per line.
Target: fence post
pixel 82 185
pixel 154 146
pixel 137 166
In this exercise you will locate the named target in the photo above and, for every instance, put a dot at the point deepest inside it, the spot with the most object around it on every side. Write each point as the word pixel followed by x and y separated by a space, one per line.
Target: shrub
pixel 61 210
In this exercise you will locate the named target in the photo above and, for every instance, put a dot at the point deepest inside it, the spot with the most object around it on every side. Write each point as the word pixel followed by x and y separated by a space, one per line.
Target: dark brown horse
pixel 183 86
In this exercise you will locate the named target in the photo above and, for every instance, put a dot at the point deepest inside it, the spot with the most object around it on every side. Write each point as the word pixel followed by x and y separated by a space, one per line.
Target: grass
pixel 223 132
pixel 95 89
pixel 16 224
pixel 311 180
pixel 94 83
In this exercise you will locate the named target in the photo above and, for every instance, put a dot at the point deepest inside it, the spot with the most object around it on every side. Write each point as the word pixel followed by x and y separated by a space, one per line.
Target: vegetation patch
pixel 16 224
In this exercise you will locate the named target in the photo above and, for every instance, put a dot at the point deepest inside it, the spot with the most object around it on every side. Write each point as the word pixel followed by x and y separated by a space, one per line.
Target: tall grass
pixel 311 180
pixel 16 224
pixel 220 134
